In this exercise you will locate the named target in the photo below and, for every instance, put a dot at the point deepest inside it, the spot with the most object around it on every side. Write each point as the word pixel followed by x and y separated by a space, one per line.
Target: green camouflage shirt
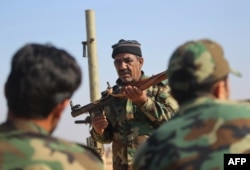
pixel 130 125
pixel 25 146
pixel 197 137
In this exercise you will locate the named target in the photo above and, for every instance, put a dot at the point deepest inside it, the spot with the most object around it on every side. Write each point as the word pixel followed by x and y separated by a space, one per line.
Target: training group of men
pixel 185 122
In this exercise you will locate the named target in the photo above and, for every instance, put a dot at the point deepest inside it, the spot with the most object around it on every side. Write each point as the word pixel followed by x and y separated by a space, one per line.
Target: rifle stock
pixel 146 83
pixel 106 100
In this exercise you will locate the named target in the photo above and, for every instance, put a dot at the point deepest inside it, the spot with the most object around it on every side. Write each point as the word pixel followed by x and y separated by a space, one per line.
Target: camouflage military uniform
pixel 202 131
pixel 207 125
pixel 131 125
pixel 25 146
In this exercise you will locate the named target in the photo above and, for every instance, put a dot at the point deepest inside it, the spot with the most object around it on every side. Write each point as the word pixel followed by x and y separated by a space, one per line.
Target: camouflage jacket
pixel 130 125
pixel 25 146
pixel 197 138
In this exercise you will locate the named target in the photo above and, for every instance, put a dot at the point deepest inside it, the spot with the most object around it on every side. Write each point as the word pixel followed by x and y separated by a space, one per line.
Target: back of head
pixel 195 65
pixel 41 77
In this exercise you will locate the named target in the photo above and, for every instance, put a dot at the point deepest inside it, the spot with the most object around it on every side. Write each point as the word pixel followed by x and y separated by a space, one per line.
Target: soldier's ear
pixel 141 61
pixel 58 110
pixel 55 115
pixel 221 89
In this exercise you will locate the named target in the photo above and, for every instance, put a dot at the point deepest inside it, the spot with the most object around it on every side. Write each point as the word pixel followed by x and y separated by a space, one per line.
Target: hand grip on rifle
pixel 104 101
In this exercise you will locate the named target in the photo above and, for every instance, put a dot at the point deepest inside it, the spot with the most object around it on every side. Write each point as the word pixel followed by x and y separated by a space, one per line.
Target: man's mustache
pixel 124 72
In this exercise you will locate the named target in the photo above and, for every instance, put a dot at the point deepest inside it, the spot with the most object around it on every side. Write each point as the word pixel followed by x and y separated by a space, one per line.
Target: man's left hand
pixel 137 96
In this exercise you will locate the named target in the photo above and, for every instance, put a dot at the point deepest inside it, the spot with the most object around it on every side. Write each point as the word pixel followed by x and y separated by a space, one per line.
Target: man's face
pixel 128 67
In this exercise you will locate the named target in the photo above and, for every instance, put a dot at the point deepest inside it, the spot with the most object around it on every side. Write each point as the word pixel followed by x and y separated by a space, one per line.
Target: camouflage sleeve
pixel 105 138
pixel 36 151
pixel 160 106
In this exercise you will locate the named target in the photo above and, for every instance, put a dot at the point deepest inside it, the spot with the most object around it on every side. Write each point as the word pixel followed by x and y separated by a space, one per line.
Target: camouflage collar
pixel 23 125
pixel 195 102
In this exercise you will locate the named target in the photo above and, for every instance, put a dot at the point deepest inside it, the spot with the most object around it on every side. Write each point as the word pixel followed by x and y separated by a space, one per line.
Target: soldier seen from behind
pixel 41 82
pixel 208 124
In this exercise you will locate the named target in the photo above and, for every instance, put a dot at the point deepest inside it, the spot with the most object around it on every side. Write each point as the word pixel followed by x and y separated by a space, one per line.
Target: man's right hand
pixel 99 123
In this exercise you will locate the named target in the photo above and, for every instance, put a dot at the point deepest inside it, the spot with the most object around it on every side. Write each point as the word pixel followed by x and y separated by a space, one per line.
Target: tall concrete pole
pixel 92 55
pixel 93 71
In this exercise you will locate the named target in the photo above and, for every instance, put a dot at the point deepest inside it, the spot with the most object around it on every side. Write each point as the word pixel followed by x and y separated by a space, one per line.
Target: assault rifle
pixel 109 94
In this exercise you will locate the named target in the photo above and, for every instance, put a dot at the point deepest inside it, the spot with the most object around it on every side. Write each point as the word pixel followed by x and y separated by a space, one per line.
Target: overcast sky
pixel 159 25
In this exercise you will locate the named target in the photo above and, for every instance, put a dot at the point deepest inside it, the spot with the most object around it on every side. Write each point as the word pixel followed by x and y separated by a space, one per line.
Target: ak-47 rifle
pixel 110 93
